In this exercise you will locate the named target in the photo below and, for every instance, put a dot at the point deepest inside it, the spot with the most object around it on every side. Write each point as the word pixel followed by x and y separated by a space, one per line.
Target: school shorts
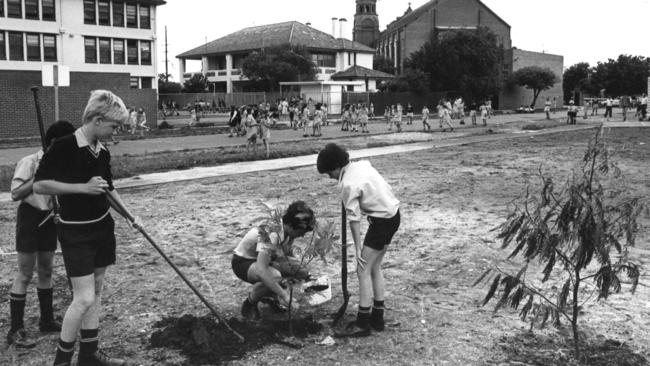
pixel 381 231
pixel 88 246
pixel 29 237
pixel 240 266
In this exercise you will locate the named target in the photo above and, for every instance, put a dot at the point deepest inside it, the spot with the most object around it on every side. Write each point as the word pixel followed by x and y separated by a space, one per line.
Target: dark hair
pixel 332 157
pixel 57 130
pixel 299 216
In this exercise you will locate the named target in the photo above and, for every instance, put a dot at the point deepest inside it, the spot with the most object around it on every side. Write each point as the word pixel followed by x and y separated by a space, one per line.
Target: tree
pixel 383 63
pixel 467 62
pixel 409 81
pixel 198 83
pixel 576 77
pixel 266 68
pixel 535 78
pixel 590 218
pixel 627 75
pixel 168 87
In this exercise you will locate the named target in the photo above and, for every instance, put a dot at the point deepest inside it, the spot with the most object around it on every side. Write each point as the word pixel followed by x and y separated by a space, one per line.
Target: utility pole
pixel 166 59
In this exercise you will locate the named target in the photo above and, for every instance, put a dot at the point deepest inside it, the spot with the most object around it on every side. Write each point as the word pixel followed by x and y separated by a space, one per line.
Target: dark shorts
pixel 381 231
pixel 29 237
pixel 240 266
pixel 86 247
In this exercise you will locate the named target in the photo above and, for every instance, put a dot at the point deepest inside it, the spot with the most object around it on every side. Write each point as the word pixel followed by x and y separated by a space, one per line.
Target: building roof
pixel 153 2
pixel 360 72
pixel 410 16
pixel 258 37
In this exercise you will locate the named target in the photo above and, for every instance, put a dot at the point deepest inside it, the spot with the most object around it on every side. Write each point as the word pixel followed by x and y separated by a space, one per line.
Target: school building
pixel 411 30
pixel 105 44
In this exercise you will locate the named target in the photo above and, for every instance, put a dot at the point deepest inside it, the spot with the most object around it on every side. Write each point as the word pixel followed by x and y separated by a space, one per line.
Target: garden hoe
pixel 344 266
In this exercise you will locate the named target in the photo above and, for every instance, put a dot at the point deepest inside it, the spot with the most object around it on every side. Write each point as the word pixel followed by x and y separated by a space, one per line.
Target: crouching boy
pixel 257 255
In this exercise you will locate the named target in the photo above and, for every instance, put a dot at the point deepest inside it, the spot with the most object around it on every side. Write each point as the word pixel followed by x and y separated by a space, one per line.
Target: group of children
pixel 66 192
pixel 354 115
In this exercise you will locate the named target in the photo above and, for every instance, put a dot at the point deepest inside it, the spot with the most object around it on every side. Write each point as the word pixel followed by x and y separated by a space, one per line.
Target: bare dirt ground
pixel 451 199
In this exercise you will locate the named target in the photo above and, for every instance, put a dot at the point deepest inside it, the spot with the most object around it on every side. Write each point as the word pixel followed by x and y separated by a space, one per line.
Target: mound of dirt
pixel 203 340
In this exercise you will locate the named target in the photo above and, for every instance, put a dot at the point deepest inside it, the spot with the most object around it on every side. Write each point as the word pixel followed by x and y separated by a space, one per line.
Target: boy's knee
pixel 85 300
pixel 24 276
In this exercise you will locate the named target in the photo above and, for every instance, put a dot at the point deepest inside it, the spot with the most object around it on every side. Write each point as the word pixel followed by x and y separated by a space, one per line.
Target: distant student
pixel 363 119
pixel 265 131
pixel 35 244
pixel 409 114
pixel 425 119
pixel 547 108
pixel 251 132
pixel 484 114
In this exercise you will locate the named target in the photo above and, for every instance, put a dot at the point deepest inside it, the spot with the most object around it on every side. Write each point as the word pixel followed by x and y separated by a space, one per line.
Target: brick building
pixel 410 31
pixel 107 44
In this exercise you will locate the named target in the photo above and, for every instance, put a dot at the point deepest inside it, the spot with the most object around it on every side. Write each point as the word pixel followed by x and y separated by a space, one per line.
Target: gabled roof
pixel 360 72
pixel 258 37
pixel 413 15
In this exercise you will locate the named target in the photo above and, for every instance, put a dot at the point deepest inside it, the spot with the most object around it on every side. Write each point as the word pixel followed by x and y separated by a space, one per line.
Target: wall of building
pixel 516 96
pixel 18 117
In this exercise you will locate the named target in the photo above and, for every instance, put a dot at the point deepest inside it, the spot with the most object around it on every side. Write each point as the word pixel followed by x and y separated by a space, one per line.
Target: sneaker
pixel 250 311
pixel 20 339
pixel 353 330
pixel 274 304
pixel 49 326
pixel 99 358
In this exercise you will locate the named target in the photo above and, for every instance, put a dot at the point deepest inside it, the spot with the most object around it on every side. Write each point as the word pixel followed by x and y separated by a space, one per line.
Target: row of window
pixel 32 9
pixel 19 46
pixel 117 51
pixel 140 83
pixel 117 14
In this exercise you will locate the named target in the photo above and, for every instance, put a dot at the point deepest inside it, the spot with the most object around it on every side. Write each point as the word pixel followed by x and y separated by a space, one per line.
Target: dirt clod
pixel 203 340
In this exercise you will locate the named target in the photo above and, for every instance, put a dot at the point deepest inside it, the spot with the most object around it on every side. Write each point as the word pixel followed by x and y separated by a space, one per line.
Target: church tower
pixel 366 23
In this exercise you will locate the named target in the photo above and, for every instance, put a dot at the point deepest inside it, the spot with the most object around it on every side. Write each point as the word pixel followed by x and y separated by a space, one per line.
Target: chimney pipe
pixel 334 27
pixel 342 30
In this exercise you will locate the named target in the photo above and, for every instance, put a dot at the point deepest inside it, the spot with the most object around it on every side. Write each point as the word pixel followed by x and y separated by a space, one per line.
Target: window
pixel 49 47
pixel 104 51
pixel 16 46
pixel 118 51
pixel 90 45
pixel 132 51
pixel 118 14
pixel 89 12
pixel 145 83
pixel 31 9
pixel 131 16
pixel 14 9
pixel 3 52
pixel 2 8
pixel 145 20
pixel 104 12
pixel 134 83
pixel 48 10
pixel 324 60
pixel 33 47
pixel 145 52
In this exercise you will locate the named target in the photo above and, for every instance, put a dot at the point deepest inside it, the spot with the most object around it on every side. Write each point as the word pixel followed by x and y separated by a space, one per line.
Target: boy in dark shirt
pixel 77 170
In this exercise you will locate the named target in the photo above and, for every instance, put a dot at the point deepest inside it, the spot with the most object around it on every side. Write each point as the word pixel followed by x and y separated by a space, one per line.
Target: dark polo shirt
pixel 71 160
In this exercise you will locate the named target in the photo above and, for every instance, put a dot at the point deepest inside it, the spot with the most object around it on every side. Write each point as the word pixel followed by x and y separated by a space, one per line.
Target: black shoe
pixel 65 363
pixel 20 339
pixel 99 358
pixel 353 330
pixel 250 311
pixel 49 326
pixel 377 323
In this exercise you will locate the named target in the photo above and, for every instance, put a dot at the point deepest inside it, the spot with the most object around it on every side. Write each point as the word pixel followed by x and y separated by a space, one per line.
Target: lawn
pixel 450 200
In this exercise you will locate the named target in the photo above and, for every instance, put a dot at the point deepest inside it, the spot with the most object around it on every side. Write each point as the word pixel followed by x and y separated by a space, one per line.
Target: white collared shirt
pixel 82 141
pixel 365 192
pixel 25 170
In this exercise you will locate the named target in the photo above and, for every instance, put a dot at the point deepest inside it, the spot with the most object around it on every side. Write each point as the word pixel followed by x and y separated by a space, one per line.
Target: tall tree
pixel 198 83
pixel 266 68
pixel 535 78
pixel 577 77
pixel 168 87
pixel 627 75
pixel 466 62
pixel 383 63
pixel 408 81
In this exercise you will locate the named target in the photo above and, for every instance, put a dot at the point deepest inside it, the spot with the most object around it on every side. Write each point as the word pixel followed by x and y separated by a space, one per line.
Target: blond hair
pixel 105 104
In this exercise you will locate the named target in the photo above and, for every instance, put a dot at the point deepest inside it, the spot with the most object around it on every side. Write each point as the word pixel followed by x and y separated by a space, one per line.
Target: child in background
pixel 251 132
pixel 265 131
pixel 363 119
pixel 484 114
pixel 425 118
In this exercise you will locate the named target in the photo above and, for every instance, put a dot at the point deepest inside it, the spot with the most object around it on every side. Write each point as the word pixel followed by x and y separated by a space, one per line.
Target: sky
pixel 580 30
